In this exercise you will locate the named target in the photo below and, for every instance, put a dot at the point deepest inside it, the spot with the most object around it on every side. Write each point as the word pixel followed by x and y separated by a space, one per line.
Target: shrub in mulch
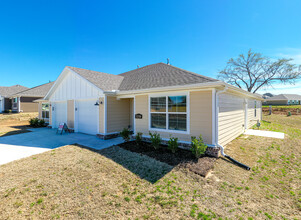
pixel 181 158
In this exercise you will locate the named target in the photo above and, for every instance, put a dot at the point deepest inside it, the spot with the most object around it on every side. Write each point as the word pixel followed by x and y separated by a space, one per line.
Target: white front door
pixel 59 113
pixel 87 116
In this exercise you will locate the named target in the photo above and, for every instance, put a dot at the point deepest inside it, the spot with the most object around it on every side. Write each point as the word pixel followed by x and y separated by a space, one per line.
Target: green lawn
pixel 282 106
pixel 75 183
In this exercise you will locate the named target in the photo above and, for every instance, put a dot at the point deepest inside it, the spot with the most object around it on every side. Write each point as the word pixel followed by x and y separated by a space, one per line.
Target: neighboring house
pixel 25 101
pixel 284 99
pixel 5 94
pixel 156 98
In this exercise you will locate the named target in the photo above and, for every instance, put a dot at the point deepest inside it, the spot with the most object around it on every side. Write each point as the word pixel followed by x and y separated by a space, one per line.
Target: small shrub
pixel 289 113
pixel 35 122
pixel 125 134
pixel 139 138
pixel 155 139
pixel 42 123
pixel 173 144
pixel 198 148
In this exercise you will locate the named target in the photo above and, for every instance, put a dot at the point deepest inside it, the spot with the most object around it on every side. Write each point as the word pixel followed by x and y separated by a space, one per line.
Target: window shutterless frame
pixel 187 113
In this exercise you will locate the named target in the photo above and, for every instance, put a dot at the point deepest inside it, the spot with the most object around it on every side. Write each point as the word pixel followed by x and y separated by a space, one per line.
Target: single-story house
pixel 25 101
pixel 155 98
pixel 283 99
pixel 5 94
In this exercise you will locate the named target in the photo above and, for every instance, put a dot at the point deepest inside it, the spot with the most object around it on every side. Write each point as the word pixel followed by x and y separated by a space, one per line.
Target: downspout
pixel 216 130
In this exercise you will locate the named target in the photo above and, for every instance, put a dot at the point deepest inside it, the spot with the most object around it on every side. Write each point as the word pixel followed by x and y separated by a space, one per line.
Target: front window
pixel 45 110
pixel 168 113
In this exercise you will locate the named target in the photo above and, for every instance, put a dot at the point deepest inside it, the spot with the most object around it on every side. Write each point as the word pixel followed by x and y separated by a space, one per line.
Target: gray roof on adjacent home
pixel 7 91
pixel 285 97
pixel 104 81
pixel 38 91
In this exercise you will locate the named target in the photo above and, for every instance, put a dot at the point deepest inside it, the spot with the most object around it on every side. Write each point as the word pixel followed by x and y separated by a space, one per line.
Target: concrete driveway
pixel 18 146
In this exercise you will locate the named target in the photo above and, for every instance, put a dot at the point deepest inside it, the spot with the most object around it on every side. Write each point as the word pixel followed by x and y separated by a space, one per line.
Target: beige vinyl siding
pixel 70 113
pixel 27 104
pixel 200 117
pixel 231 118
pixel 101 116
pixel 252 119
pixel 132 113
pixel 40 110
pixel 118 114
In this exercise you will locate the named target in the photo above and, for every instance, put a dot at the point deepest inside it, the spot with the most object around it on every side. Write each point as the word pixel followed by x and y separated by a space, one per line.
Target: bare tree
pixel 254 71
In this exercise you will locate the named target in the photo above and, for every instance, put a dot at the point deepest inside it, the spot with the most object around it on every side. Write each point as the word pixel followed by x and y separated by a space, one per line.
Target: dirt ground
pixel 72 182
pixel 181 158
pixel 15 123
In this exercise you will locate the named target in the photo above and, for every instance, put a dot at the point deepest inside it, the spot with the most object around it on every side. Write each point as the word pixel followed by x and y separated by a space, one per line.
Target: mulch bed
pixel 182 158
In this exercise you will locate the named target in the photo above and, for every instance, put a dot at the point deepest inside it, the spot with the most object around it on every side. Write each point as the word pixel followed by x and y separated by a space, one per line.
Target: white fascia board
pixel 60 79
pixel 86 80
pixel 171 88
pixel 190 87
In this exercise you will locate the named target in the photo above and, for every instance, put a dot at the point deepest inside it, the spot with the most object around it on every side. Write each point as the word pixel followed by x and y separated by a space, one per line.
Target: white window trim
pixel 45 111
pixel 187 112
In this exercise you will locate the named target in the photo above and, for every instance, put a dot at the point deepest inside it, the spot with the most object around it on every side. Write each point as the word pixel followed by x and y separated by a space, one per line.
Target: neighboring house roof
pixel 159 75
pixel 38 91
pixel 285 97
pixel 7 91
pixel 104 81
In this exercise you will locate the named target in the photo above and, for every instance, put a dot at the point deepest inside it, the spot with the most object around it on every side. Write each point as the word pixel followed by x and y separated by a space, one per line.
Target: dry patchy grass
pixel 15 123
pixel 76 183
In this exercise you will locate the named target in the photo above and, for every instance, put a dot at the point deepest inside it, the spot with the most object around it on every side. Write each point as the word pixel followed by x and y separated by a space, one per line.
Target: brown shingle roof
pixel 160 75
pixel 7 91
pixel 38 91
pixel 104 81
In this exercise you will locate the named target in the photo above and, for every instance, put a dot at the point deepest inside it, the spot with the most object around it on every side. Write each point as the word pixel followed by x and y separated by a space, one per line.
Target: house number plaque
pixel 138 116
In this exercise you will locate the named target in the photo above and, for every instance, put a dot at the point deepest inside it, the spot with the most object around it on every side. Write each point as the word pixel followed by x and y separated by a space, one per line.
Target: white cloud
pixel 293 53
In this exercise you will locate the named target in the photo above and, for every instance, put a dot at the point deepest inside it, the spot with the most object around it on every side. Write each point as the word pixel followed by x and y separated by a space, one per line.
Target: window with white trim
pixel 45 110
pixel 168 113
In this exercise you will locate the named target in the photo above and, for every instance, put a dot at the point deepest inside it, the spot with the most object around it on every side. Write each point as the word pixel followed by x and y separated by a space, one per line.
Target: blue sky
pixel 39 38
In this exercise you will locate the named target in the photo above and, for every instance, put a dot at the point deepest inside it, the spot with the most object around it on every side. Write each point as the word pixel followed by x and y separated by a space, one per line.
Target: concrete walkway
pixel 271 134
pixel 18 146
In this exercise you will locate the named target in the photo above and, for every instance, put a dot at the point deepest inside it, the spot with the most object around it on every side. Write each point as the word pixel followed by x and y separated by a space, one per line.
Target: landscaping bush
pixel 173 144
pixel 35 122
pixel 139 138
pixel 289 114
pixel 7 111
pixel 42 123
pixel 125 134
pixel 155 139
pixel 198 148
